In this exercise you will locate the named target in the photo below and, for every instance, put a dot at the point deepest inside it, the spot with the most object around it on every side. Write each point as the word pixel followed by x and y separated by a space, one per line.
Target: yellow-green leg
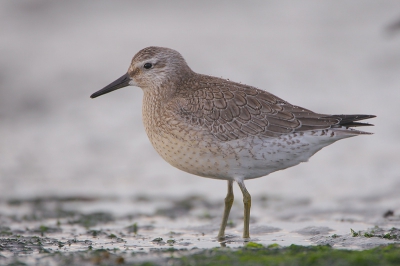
pixel 247 206
pixel 228 205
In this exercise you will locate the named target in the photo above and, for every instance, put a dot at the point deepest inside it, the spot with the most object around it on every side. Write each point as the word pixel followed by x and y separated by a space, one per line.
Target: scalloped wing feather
pixel 232 111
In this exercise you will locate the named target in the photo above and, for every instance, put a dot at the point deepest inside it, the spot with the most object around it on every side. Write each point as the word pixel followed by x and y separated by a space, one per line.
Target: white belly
pixel 246 158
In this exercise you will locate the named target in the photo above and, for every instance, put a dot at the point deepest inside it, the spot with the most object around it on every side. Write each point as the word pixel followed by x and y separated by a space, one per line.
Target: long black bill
pixel 118 84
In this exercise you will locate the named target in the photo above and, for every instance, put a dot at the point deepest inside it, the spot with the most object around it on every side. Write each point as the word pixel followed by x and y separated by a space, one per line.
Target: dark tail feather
pixel 355 124
pixel 349 120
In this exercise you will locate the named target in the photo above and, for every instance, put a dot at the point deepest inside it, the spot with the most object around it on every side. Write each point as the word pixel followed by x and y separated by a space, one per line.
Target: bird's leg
pixel 228 205
pixel 247 206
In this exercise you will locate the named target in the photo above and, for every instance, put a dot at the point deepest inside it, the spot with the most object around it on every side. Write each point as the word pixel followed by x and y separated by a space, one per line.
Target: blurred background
pixel 334 57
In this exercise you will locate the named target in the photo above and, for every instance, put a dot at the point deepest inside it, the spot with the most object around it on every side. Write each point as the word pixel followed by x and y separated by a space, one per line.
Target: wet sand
pixel 50 230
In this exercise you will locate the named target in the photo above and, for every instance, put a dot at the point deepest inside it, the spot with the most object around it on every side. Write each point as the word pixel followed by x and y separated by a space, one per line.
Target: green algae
pixel 133 228
pixel 295 255
pixel 391 234
pixel 253 245
pixel 253 254
pixel 92 219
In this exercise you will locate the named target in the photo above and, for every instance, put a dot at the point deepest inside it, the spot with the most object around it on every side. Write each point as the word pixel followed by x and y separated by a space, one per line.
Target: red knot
pixel 216 128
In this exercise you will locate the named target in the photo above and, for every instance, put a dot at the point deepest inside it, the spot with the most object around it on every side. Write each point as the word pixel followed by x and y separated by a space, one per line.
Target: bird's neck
pixel 152 111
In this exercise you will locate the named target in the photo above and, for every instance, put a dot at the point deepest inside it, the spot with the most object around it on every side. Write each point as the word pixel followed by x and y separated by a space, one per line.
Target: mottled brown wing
pixel 232 111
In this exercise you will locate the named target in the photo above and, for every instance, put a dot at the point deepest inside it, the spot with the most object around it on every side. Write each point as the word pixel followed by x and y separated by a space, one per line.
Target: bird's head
pixel 152 68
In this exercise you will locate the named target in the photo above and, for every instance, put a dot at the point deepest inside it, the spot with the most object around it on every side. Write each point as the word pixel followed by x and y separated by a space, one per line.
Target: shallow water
pixel 57 144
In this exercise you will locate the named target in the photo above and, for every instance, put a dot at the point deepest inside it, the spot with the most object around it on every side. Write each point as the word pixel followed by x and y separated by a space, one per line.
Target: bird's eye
pixel 148 65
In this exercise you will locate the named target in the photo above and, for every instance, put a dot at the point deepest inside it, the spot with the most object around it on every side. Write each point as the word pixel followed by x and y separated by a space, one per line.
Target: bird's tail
pixel 348 121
